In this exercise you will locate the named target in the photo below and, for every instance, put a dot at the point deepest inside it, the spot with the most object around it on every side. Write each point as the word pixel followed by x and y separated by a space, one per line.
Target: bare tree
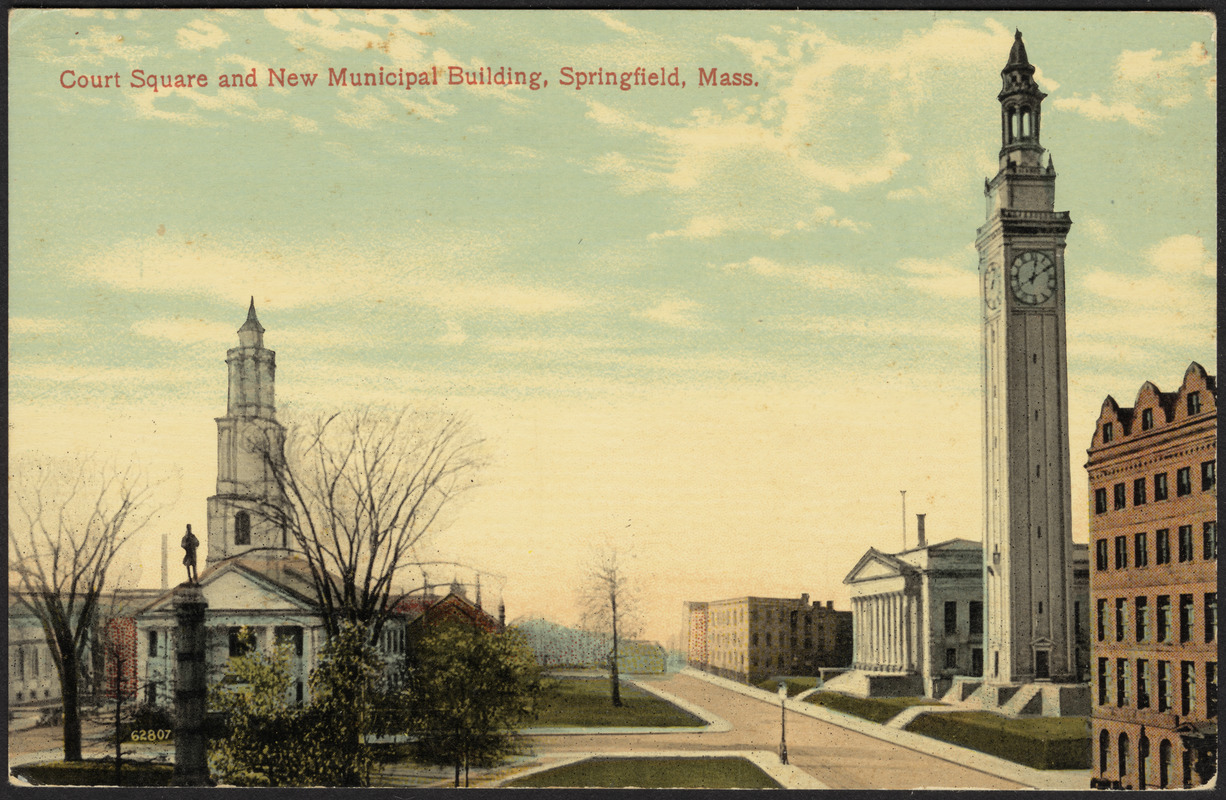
pixel 608 602
pixel 67 521
pixel 361 489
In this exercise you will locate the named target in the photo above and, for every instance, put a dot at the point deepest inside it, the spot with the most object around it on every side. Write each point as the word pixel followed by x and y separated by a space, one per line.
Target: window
pixel 1121 552
pixel 1211 617
pixel 1210 537
pixel 1102 620
pixel 1103 679
pixel 1104 751
pixel 1147 419
pixel 1142 619
pixel 298 691
pixel 1187 687
pixel 977 661
pixel 976 617
pixel 768 640
pixel 1193 403
pixel 1100 554
pixel 793 620
pixel 1140 549
pixel 1164 618
pixel 1208 475
pixel 242 528
pixel 153 644
pixel 242 641
pixel 1185 543
pixel 1123 755
pixel 808 642
pixel 1121 619
pixel 1187 617
pixel 1121 496
pixel 1142 683
pixel 1121 682
pixel 792 643
pixel 1183 481
pixel 1100 501
pixel 951 658
pixel 1161 491
pixel 753 639
pixel 1108 432
pixel 951 617
pixel 1162 543
pixel 1164 686
pixel 1211 689
pixel 151 694
pixel 1138 492
pixel 1164 763
pixel 292 635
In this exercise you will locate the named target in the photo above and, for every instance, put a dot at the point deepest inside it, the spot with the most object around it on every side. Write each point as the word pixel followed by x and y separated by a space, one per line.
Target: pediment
pixel 875 565
pixel 234 589
pixel 877 569
pixel 1041 642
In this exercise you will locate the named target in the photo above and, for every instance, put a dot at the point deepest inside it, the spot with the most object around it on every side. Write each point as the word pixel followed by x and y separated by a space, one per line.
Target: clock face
pixel 1033 277
pixel 991 285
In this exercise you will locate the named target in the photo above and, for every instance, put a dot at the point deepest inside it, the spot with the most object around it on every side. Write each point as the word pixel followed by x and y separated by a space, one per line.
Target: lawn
pixel 1039 742
pixel 874 709
pixel 585 702
pixel 795 685
pixel 654 773
pixel 94 772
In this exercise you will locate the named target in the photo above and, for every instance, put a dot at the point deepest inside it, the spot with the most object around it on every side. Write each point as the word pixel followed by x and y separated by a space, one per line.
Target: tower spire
pixel 1020 109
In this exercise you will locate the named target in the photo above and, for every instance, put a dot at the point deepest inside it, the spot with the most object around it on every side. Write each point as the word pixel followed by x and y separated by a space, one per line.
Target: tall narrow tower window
pixel 242 528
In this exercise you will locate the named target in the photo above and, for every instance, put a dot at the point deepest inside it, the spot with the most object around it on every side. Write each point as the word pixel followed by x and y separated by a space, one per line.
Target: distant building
pixel 919 618
pixel 1153 530
pixel 749 639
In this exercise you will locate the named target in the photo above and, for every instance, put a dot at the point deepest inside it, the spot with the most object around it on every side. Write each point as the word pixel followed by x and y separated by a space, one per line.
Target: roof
pixel 1017 54
pixel 253 322
pixel 289 574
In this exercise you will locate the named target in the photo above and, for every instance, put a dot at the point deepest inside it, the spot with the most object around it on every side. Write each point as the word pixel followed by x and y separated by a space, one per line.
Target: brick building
pixel 1153 587
pixel 751 638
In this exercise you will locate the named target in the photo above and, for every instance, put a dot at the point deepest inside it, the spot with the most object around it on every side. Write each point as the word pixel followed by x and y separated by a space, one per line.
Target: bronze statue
pixel 189 545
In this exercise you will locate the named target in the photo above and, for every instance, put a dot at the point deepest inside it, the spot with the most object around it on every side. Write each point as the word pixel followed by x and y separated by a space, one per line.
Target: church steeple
pixel 1020 109
pixel 252 332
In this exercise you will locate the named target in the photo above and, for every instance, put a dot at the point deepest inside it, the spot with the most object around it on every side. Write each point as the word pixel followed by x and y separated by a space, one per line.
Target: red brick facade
pixel 1153 587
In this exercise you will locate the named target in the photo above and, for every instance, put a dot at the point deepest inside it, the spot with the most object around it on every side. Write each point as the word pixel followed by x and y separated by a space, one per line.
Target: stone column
pixel 191 756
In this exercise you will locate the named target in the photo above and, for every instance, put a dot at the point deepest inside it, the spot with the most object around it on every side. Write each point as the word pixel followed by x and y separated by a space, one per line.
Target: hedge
pixel 95 772
pixel 1039 742
pixel 873 709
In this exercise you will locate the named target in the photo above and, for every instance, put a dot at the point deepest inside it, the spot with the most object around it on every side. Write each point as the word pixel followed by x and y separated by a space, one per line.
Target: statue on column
pixel 189 545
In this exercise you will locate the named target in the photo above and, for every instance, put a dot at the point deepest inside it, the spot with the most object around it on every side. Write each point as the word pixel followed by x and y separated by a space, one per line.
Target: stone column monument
pixel 191 754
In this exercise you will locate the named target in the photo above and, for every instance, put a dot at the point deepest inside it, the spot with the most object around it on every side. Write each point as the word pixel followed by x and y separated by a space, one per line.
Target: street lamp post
pixel 783 722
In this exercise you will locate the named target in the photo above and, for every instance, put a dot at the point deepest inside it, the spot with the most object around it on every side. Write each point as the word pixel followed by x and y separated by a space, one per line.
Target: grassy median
pixel 1039 742
pixel 874 709
pixel 587 702
pixel 654 773
pixel 795 685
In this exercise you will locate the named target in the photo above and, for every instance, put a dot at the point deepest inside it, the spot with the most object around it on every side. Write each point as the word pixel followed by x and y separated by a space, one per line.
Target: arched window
pixel 242 528
pixel 1164 764
pixel 1026 123
pixel 1123 755
pixel 1104 751
pixel 1142 760
pixel 1012 124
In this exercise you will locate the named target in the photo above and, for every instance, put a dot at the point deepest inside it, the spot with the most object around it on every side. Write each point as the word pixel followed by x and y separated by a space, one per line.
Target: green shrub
pixel 99 772
pixel 874 709
pixel 1039 742
pixel 795 685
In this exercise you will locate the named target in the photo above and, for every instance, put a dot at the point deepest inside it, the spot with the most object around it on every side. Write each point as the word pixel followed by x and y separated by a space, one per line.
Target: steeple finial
pixel 253 322
pixel 1017 55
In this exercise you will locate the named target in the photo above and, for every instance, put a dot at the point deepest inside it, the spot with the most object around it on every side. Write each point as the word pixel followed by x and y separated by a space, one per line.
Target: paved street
pixel 840 758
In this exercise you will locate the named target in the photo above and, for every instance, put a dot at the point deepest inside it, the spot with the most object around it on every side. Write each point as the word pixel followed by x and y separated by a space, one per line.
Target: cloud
pixel 432 274
pixel 704 227
pixel 1094 108
pixel 614 23
pixel 455 335
pixel 674 313
pixel 1183 255
pixel 940 277
pixel 35 326
pixel 816 276
pixel 199 35
pixel 187 331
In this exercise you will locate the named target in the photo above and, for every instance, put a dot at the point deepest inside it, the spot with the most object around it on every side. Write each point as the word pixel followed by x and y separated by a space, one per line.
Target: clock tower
pixel 1027 532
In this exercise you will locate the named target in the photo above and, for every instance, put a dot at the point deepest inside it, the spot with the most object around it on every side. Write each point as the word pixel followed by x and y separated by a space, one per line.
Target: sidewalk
pixel 1064 780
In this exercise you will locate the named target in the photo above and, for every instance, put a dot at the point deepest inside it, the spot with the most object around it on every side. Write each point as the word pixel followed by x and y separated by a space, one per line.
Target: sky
pixel 721 327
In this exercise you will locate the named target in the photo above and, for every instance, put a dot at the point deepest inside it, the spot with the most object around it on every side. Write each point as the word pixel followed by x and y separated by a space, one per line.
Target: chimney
pixel 502 616
pixel 165 562
pixel 829 604
pixel 919 523
pixel 804 599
